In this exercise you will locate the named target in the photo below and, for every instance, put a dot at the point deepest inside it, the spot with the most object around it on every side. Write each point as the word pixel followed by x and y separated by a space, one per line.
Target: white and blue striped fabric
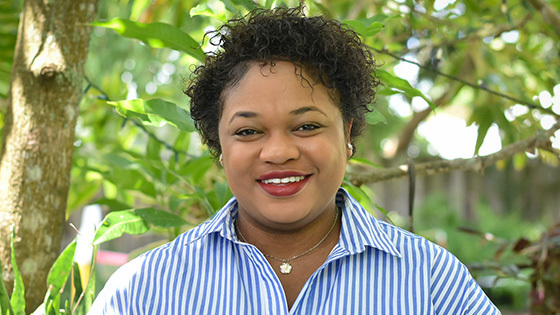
pixel 375 268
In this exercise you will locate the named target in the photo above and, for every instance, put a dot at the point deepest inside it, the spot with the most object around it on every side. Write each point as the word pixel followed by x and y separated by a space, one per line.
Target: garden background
pixel 461 148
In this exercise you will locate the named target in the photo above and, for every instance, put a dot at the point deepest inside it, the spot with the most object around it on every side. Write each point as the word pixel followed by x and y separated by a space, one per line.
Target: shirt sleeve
pixel 453 289
pixel 114 299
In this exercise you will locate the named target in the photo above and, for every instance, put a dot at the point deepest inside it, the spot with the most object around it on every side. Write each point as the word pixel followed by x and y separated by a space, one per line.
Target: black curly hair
pixel 330 52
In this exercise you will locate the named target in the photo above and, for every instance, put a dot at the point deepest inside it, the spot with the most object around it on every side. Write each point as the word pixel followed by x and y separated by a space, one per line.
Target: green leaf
pixel 52 307
pixel 117 223
pixel 202 197
pixel 134 221
pixel 321 7
pixel 183 141
pixel 222 192
pixel 82 193
pixel 203 10
pixel 120 160
pixel 158 110
pixel 112 204
pixel 364 161
pixel 157 35
pixel 218 196
pixel 144 118
pixel 18 294
pixel 89 292
pixel 396 83
pixel 481 115
pixel 520 161
pixel 375 117
pixel 77 282
pixel 197 169
pixel 362 197
pixel 134 179
pixel 153 149
pixel 482 132
pixel 58 274
pixel 5 306
pixel 367 27
pixel 174 203
pixel 67 309
pixel 246 4
pixel 138 8
pixel 160 218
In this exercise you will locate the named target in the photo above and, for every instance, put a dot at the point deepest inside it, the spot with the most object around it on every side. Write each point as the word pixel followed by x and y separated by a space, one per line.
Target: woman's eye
pixel 246 132
pixel 308 127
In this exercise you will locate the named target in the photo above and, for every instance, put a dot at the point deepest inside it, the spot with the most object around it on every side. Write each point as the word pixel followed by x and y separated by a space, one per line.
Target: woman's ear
pixel 350 146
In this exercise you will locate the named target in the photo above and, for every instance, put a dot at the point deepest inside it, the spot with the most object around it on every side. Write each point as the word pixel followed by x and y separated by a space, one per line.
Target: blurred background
pixel 461 80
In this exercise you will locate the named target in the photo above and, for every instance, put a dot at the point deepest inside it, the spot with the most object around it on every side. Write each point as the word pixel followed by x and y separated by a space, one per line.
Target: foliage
pixel 63 298
pixel 517 266
pixel 135 221
pixel 18 296
pixel 545 280
pixel 9 15
pixel 137 155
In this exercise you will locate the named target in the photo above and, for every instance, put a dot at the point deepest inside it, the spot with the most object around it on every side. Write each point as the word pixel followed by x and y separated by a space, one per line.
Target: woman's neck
pixel 285 242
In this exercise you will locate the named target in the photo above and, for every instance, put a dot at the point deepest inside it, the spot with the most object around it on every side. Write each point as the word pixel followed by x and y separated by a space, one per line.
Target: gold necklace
pixel 286 267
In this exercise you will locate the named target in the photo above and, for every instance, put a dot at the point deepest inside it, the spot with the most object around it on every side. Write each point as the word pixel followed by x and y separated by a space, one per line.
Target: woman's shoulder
pixel 187 241
pixel 410 245
pixel 152 268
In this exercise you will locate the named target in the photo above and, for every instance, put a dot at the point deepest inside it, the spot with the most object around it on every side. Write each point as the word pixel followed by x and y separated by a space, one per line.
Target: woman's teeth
pixel 285 180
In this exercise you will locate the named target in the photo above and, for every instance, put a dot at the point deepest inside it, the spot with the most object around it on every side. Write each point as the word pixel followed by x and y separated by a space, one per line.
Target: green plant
pixel 512 258
pixel 66 294
pixel 144 159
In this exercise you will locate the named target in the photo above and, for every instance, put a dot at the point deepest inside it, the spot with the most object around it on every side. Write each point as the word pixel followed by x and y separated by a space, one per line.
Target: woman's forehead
pixel 305 76
pixel 276 88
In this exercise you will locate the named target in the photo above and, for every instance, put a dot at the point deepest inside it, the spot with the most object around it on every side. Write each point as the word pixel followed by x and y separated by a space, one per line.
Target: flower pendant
pixel 285 268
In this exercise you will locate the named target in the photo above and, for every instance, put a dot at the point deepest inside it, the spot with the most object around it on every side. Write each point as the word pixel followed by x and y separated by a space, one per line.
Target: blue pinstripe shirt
pixel 375 268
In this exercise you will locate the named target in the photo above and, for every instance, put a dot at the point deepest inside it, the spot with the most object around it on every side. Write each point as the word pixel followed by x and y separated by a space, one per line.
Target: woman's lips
pixel 283 185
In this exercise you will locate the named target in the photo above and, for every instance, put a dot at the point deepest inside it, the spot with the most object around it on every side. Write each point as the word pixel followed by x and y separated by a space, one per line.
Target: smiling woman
pixel 284 148
pixel 282 102
pixel 284 153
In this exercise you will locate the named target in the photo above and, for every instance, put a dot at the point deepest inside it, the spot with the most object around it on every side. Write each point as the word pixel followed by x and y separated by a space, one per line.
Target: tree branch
pixel 478 34
pixel 360 175
pixel 550 16
pixel 473 85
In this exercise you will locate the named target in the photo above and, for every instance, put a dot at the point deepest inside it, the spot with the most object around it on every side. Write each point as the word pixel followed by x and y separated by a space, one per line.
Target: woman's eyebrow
pixel 243 114
pixel 299 111
pixel 305 109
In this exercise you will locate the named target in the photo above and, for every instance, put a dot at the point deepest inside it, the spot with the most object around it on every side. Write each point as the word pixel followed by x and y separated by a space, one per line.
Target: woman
pixel 281 103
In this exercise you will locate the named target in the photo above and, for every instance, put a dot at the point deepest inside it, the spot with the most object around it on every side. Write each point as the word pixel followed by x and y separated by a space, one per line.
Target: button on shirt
pixel 375 268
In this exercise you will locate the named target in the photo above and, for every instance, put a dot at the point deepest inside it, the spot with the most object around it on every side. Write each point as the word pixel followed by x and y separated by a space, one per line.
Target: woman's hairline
pixel 302 70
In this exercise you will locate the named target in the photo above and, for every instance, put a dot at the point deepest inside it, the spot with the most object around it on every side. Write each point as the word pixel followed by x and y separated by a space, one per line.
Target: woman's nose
pixel 279 149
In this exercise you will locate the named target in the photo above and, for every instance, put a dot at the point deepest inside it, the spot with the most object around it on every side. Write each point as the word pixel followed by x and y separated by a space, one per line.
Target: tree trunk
pixel 36 158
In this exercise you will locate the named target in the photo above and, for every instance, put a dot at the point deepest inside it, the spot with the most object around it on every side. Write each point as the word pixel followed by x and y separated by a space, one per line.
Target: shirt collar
pixel 359 228
pixel 221 222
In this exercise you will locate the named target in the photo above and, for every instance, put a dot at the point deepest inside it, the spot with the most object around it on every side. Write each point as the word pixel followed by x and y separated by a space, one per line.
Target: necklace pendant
pixel 285 268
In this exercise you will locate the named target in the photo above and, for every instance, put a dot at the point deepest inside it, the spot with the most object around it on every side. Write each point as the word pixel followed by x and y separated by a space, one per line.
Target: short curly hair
pixel 328 50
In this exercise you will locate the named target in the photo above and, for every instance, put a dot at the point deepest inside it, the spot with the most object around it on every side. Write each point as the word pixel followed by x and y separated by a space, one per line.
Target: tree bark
pixel 36 157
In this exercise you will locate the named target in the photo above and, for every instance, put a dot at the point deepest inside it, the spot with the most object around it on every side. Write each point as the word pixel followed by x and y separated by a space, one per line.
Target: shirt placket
pixel 337 253
pixel 267 281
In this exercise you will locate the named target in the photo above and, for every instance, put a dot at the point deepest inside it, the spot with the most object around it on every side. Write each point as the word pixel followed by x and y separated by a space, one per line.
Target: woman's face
pixel 284 146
